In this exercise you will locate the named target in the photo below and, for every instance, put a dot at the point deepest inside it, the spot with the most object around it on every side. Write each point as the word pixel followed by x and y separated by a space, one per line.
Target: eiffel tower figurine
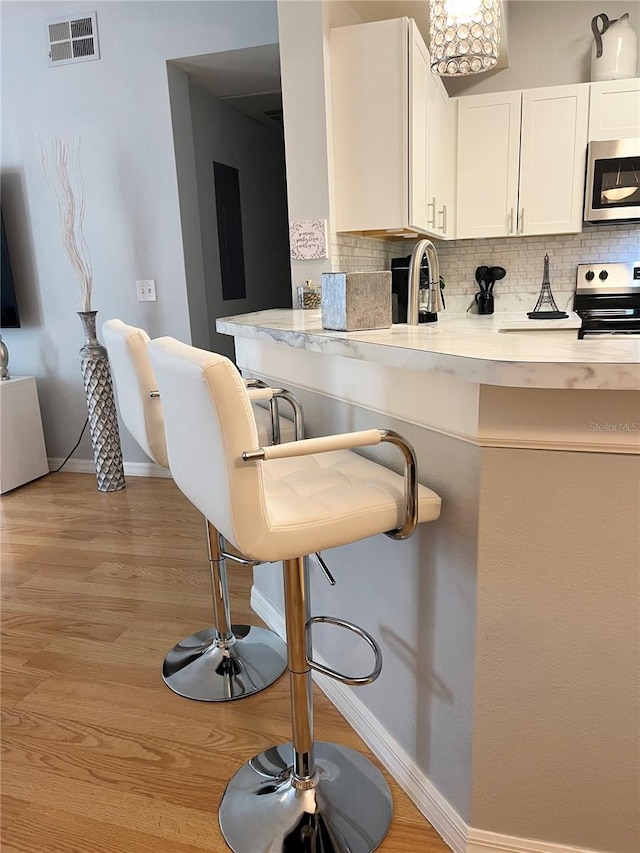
pixel 546 308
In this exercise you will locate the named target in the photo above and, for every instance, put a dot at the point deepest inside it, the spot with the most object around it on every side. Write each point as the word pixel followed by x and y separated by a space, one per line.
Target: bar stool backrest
pixel 134 380
pixel 209 423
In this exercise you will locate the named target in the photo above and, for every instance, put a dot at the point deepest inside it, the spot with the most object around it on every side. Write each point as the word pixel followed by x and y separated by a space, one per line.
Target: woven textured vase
pixel 101 407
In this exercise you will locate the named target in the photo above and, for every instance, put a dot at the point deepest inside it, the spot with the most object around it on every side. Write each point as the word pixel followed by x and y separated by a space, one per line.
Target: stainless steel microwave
pixel 612 191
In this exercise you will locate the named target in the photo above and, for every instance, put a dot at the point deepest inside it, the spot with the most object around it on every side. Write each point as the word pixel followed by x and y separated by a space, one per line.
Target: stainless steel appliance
pixel 607 299
pixel 612 190
pixel 400 289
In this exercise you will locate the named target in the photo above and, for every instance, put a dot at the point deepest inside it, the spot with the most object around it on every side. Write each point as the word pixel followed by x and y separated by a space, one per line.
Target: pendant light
pixel 464 36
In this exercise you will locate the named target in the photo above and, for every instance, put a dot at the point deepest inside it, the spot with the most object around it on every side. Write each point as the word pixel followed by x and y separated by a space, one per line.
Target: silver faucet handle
pixel 435 303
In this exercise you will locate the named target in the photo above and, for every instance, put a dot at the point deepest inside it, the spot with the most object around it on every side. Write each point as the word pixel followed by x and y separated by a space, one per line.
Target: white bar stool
pixel 278 504
pixel 226 661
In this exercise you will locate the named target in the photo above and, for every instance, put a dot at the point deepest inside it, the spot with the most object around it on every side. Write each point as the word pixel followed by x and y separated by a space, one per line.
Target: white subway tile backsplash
pixel 522 257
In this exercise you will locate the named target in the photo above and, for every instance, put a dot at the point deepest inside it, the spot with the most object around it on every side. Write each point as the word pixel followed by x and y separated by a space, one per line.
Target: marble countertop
pixel 465 346
pixel 505 321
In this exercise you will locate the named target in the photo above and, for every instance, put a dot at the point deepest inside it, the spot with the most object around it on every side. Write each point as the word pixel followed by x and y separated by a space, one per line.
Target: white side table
pixel 23 456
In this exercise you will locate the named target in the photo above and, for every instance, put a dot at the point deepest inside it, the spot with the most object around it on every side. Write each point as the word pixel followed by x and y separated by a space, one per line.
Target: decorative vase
pixel 4 360
pixel 614 55
pixel 101 407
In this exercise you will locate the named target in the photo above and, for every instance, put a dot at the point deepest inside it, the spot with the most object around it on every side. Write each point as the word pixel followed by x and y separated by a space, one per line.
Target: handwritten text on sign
pixel 308 239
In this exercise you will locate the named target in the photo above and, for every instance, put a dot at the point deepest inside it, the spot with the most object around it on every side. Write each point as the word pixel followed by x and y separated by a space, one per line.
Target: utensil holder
pixel 484 302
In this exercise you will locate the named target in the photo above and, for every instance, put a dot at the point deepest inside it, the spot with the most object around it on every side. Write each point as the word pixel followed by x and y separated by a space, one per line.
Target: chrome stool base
pixel 347 809
pixel 201 667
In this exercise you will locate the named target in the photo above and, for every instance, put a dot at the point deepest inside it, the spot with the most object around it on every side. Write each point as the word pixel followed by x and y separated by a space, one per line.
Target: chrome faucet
pixel 434 299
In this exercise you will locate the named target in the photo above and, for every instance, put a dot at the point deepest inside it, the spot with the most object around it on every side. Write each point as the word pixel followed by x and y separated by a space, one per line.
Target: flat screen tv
pixel 9 317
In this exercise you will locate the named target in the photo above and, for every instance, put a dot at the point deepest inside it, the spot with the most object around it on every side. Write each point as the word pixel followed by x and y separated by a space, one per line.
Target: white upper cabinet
pixel 521 162
pixel 552 159
pixel 614 111
pixel 488 154
pixel 385 105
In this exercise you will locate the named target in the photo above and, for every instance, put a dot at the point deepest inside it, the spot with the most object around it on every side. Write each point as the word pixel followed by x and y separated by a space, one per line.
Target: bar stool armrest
pixel 410 485
pixel 298 415
pixel 258 393
pixel 258 390
pixel 324 444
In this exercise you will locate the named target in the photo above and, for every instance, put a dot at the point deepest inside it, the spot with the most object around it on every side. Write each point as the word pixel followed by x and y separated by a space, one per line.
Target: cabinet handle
pixel 521 221
pixel 511 221
pixel 432 204
pixel 443 214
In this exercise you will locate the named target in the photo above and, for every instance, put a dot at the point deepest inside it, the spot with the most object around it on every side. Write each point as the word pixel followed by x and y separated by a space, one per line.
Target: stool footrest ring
pixel 369 640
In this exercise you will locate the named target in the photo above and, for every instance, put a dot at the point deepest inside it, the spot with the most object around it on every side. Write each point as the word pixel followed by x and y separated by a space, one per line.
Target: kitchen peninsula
pixel 509 628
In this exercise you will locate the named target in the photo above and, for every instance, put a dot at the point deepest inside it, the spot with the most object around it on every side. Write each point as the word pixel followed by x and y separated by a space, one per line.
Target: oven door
pixel 612 191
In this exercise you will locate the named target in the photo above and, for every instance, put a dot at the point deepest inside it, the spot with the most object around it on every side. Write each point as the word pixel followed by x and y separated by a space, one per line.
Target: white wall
pixel 304 44
pixel 120 106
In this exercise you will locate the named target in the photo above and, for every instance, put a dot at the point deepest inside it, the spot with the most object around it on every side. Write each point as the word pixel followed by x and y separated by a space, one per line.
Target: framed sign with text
pixel 308 239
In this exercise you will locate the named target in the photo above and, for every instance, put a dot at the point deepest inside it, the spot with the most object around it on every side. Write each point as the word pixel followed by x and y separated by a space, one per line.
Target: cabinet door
pixel 369 73
pixel 446 164
pixel 488 147
pixel 421 138
pixel 431 161
pixel 552 159
pixel 614 111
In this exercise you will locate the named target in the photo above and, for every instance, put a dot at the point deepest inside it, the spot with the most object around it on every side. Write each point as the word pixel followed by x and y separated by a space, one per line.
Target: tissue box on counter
pixel 356 301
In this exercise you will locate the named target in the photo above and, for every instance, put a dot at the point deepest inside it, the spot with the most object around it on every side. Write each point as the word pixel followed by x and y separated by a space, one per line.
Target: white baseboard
pixel 131 469
pixel 479 841
pixel 460 837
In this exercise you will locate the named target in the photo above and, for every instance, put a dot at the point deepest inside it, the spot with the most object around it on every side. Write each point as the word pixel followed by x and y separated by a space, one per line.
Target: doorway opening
pixel 226 112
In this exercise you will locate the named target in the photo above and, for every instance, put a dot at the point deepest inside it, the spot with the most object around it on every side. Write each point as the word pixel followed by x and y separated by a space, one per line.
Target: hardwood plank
pixel 118 807
pixel 20 625
pixel 134 711
pixel 11 807
pixel 69 833
pixel 116 760
pixel 106 662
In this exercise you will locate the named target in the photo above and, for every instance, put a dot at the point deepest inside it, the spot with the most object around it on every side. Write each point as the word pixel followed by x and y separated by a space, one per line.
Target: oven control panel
pixel 608 278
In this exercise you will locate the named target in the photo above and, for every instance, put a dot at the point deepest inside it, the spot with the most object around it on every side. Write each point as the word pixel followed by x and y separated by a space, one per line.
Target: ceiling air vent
pixel 73 39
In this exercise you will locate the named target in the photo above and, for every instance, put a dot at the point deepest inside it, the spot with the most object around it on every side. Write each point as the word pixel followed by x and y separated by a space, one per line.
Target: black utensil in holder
pixel 484 301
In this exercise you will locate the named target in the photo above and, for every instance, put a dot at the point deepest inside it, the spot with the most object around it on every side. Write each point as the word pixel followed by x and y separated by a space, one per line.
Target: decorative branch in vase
pixel 61 164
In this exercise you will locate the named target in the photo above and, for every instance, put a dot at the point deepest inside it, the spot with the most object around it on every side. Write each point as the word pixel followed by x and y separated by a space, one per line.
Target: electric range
pixel 607 299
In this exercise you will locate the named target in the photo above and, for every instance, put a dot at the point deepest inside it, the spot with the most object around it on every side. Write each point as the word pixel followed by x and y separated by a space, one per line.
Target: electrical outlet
pixel 146 290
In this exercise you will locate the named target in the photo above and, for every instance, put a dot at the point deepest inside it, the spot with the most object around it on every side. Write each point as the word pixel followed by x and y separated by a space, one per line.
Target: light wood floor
pixel 98 755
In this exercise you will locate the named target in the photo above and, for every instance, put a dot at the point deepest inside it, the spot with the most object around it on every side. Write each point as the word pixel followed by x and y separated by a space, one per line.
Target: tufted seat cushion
pixel 328 499
pixel 272 509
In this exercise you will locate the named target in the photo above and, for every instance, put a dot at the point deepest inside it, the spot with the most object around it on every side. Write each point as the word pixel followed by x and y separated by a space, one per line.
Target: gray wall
pixel 227 136
pixel 556 728
pixel 119 105
pixel 424 696
pixel 549 44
